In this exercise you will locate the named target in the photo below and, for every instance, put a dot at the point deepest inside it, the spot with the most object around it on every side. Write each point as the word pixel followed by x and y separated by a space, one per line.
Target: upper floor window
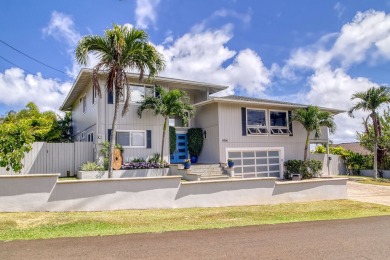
pixel 137 93
pixel 256 122
pixel 94 95
pixel 279 122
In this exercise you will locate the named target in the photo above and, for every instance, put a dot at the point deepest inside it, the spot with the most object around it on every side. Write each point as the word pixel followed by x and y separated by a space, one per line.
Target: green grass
pixel 379 181
pixel 34 225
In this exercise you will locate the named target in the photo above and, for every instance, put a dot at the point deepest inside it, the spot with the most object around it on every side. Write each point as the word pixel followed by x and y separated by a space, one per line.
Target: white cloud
pixel 203 56
pixel 364 39
pixel 22 88
pixel 145 13
pixel 61 27
pixel 243 17
pixel 334 88
pixel 339 8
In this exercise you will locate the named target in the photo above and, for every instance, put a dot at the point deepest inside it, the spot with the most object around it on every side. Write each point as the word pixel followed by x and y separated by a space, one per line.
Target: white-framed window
pixel 90 137
pixel 138 93
pixel 94 95
pixel 256 122
pixel 83 101
pixel 131 138
pixel 82 136
pixel 278 122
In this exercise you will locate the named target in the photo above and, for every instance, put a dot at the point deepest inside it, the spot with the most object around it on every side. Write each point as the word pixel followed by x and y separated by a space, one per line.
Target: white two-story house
pixel 256 133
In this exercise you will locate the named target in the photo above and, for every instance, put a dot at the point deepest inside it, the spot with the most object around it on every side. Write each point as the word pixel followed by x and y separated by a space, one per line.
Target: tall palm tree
pixel 370 101
pixel 168 104
pixel 312 118
pixel 121 49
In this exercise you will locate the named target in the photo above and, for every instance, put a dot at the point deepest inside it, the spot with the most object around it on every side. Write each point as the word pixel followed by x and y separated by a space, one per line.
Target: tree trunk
pixel 374 120
pixel 163 139
pixel 113 132
pixel 307 143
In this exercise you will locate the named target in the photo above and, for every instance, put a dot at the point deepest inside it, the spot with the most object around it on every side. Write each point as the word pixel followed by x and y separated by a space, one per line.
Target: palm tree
pixel 168 104
pixel 121 49
pixel 370 101
pixel 312 118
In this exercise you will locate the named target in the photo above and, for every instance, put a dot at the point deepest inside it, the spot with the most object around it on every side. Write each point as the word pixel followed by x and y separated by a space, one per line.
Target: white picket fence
pixel 63 158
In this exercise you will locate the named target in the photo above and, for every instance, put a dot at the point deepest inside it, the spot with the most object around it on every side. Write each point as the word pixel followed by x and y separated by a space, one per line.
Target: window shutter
pixel 110 97
pixel 243 117
pixel 148 139
pixel 290 124
pixel 109 135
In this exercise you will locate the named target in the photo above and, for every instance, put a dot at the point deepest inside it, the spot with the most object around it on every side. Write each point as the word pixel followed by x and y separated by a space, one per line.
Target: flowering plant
pixel 143 165
pixel 187 160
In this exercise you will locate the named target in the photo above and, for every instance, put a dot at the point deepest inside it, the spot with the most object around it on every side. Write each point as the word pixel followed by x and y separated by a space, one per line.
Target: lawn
pixel 379 181
pixel 34 225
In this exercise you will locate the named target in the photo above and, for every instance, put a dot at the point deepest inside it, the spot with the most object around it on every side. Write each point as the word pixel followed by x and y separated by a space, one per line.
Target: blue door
pixel 181 152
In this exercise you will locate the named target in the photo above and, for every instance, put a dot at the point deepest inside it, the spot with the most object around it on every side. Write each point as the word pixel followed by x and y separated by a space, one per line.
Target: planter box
pixel 123 173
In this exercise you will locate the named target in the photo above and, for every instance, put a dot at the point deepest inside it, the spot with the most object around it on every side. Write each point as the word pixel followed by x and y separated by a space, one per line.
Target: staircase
pixel 209 171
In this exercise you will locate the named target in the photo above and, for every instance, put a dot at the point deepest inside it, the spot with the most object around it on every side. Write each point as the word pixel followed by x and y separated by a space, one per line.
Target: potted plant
pixel 195 143
pixel 230 163
pixel 187 163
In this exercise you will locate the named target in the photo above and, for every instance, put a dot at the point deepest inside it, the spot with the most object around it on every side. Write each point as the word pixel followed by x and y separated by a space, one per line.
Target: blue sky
pixel 317 52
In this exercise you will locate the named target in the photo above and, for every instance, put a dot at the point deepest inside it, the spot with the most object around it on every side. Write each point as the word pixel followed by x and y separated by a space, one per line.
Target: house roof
pixel 354 147
pixel 85 76
pixel 261 101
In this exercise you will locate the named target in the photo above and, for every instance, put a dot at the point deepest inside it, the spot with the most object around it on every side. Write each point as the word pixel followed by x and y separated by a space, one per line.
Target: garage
pixel 257 162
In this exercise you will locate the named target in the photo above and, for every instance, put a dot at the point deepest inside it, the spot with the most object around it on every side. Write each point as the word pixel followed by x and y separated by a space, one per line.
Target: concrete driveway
pixel 369 193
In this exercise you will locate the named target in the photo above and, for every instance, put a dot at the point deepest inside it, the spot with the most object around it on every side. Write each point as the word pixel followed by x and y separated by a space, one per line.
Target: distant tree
pixel 366 138
pixel 312 118
pixel 370 101
pixel 168 104
pixel 121 49
pixel 19 130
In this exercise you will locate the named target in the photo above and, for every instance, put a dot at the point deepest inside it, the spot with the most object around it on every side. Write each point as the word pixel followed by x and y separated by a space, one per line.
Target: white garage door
pixel 257 162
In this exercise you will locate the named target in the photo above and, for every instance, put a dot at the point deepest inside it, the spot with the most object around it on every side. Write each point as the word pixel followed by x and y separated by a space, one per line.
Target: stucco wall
pixel 44 193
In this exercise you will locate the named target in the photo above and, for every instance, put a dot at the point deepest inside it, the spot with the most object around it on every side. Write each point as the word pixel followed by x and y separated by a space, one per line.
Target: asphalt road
pixel 364 238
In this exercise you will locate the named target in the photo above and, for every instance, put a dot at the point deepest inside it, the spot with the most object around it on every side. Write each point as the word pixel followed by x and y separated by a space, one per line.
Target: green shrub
pixel 91 166
pixel 307 169
pixel 138 159
pixel 155 158
pixel 195 141
pixel 313 169
pixel 172 139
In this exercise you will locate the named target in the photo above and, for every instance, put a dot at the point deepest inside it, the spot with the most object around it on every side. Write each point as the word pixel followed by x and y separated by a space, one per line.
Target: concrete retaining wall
pixel 370 173
pixel 44 193
pixel 123 173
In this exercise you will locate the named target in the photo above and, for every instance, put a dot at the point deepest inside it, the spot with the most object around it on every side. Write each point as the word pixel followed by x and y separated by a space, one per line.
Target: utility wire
pixel 28 56
pixel 1 57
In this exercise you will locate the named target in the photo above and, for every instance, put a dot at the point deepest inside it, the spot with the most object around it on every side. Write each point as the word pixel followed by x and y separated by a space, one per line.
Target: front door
pixel 181 152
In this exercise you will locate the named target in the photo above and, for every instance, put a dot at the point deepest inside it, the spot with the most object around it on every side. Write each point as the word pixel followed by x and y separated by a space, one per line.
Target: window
pixel 94 94
pixel 135 138
pixel 138 93
pixel 82 135
pixel 278 123
pixel 123 138
pixel 90 137
pixel 256 122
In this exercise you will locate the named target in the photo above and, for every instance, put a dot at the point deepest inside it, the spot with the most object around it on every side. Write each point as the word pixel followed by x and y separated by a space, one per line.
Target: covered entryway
pixel 257 162
pixel 181 152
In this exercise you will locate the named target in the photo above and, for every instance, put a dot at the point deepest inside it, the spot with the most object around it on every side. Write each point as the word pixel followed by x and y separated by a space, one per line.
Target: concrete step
pixel 204 166
pixel 210 178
